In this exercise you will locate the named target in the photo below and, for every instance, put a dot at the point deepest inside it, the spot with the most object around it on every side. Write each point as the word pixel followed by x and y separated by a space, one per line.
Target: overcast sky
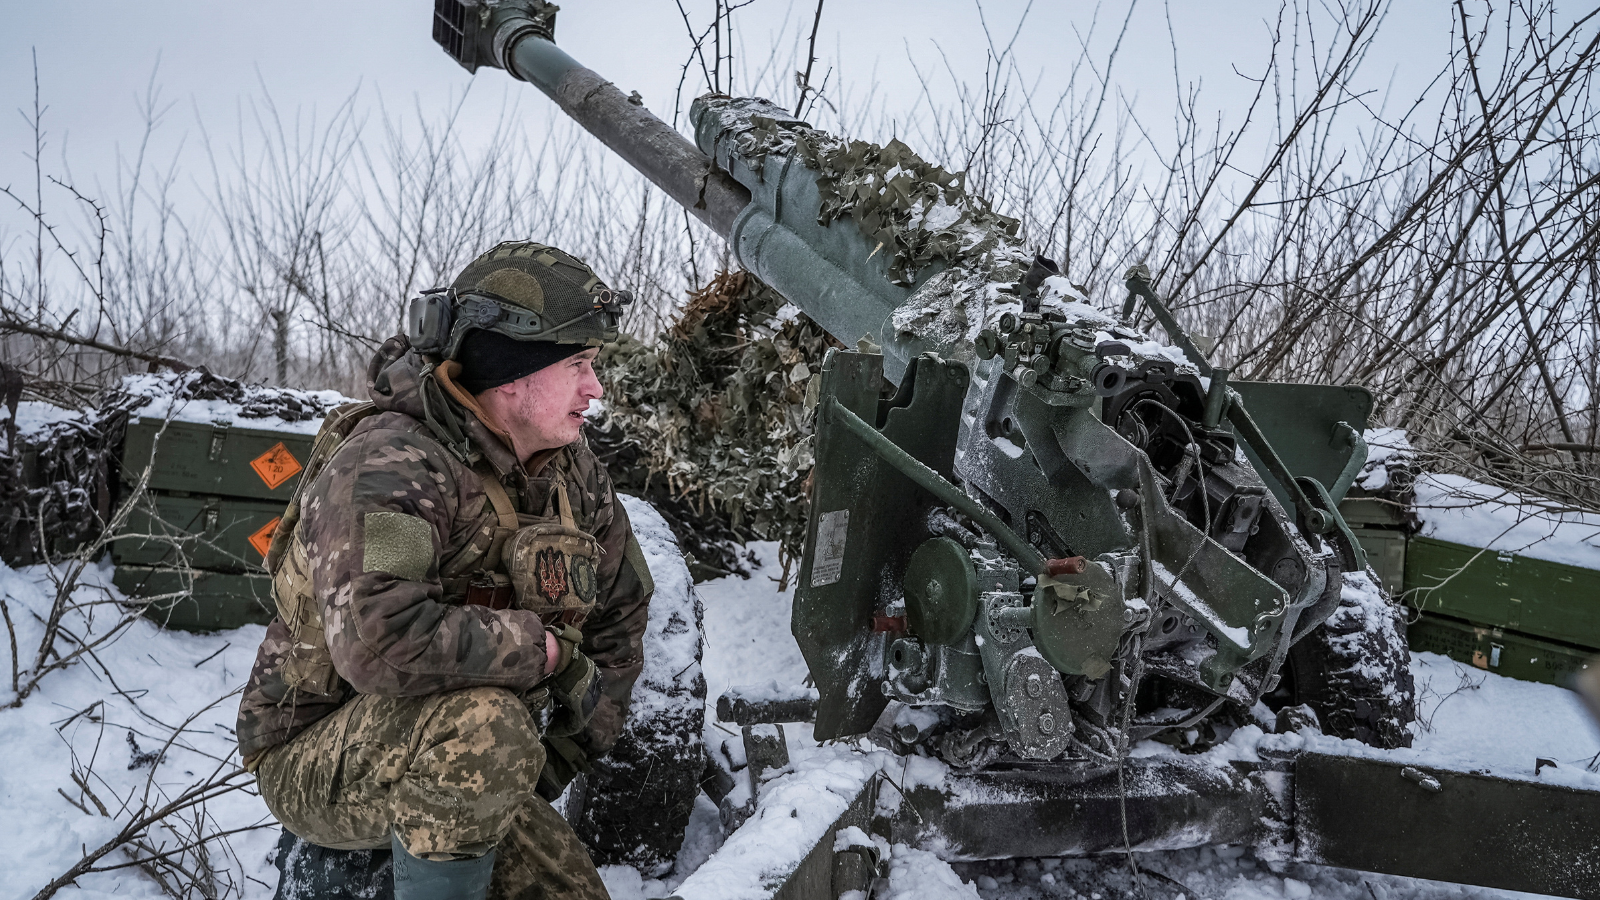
pixel 96 57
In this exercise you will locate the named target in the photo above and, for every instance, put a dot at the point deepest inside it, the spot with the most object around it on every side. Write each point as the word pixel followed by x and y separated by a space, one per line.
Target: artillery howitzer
pixel 1047 499
pixel 1046 532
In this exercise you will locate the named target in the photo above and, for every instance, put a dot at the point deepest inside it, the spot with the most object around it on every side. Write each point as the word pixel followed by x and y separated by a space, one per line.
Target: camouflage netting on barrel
pixel 713 422
pixel 918 212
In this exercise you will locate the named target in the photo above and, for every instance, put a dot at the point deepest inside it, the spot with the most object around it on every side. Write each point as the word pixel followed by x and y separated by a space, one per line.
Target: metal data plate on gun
pixel 866 520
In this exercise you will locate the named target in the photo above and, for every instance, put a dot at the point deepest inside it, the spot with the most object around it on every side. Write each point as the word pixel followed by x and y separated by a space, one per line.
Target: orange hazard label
pixel 262 539
pixel 276 465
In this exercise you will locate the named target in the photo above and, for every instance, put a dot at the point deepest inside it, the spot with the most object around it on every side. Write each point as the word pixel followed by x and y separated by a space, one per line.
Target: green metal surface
pixel 1078 620
pixel 1512 615
pixel 870 518
pixel 198 600
pixel 1497 650
pixel 1138 281
pixel 1361 509
pixel 1532 596
pixel 941 591
pixel 1382 816
pixel 1386 554
pixel 1240 605
pixel 215 459
pixel 936 484
pixel 1300 420
pixel 204 532
pixel 1167 802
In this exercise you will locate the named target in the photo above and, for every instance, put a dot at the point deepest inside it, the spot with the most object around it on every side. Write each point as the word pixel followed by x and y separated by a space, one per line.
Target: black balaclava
pixel 489 359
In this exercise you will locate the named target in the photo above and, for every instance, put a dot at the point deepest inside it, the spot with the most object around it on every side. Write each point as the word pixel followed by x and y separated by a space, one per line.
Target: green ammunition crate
pixel 1360 509
pixel 1386 553
pixel 222 533
pixel 1534 597
pixel 217 489
pixel 197 599
pixel 1497 650
pixel 215 459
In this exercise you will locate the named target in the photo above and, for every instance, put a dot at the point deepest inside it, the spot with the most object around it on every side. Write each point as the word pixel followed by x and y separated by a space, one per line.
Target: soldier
pixel 454 570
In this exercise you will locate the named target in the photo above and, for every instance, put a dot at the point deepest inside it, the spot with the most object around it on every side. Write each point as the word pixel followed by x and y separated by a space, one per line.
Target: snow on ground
pixel 109 726
pixel 747 629
pixel 1471 719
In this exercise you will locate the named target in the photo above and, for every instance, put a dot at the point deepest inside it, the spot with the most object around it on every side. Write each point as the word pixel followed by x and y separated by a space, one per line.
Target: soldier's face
pixel 545 409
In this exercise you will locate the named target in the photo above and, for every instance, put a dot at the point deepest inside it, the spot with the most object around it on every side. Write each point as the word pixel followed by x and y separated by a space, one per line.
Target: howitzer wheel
pixel 1354 669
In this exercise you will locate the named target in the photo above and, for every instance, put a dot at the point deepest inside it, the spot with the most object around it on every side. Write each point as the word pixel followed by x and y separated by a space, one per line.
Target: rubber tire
pixel 1354 669
pixel 635 805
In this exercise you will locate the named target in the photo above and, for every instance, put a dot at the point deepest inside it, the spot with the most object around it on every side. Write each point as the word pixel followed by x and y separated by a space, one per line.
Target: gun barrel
pixel 623 124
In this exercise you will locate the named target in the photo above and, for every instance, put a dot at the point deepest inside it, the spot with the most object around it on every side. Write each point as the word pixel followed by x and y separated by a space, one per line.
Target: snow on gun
pixel 1054 536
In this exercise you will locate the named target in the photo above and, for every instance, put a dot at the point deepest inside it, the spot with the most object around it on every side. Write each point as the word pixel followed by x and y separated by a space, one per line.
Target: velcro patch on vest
pixel 399 544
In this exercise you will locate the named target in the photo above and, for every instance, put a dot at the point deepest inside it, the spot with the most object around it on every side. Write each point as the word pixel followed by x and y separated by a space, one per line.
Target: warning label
pixel 262 539
pixel 276 465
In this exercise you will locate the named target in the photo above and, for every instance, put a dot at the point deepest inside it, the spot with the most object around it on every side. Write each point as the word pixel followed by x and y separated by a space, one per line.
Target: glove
pixel 563 760
pixel 573 686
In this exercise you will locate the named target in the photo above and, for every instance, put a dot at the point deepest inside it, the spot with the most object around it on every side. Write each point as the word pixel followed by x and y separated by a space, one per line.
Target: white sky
pixel 96 58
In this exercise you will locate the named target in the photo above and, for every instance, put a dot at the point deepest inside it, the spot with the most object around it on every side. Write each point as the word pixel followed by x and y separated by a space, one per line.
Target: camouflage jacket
pixel 392 627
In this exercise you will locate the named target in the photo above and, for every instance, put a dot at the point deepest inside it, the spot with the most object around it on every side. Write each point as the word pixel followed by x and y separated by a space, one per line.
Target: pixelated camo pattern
pixel 403 637
pixel 450 775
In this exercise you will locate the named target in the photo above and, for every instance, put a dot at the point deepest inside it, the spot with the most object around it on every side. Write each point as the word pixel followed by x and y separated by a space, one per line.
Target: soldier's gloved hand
pixel 573 686
pixel 563 760
pixel 564 641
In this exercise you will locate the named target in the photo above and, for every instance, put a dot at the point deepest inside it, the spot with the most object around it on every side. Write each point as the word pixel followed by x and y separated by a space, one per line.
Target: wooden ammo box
pixel 1523 617
pixel 1380 528
pixel 216 491
pixel 1505 613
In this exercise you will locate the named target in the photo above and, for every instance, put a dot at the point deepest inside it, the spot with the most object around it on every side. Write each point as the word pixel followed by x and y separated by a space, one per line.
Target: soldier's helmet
pixel 524 291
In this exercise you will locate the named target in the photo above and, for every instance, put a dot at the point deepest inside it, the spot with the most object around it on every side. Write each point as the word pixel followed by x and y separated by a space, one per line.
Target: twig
pixel 811 58
pixel 11 632
pixel 195 795
pixel 214 655
pixel 14 325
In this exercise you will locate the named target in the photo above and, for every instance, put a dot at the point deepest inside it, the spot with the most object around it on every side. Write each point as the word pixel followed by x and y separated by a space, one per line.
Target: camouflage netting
pixel 56 483
pixel 713 423
pixel 917 211
pixel 905 203
pixel 965 260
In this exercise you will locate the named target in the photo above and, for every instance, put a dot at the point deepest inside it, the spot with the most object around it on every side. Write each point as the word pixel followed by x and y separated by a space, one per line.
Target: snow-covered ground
pixel 152 715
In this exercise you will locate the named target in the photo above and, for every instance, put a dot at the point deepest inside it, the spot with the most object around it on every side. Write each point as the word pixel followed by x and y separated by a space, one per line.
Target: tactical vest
pixel 545 564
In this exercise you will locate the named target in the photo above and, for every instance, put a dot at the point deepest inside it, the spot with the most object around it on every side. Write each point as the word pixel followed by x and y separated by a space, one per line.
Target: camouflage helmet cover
pixel 534 292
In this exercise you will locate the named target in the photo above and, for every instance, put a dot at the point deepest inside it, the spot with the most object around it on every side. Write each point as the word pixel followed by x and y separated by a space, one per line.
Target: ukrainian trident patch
pixel 550 574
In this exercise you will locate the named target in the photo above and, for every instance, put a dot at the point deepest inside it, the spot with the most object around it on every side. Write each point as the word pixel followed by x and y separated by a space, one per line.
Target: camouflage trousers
pixel 450 774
